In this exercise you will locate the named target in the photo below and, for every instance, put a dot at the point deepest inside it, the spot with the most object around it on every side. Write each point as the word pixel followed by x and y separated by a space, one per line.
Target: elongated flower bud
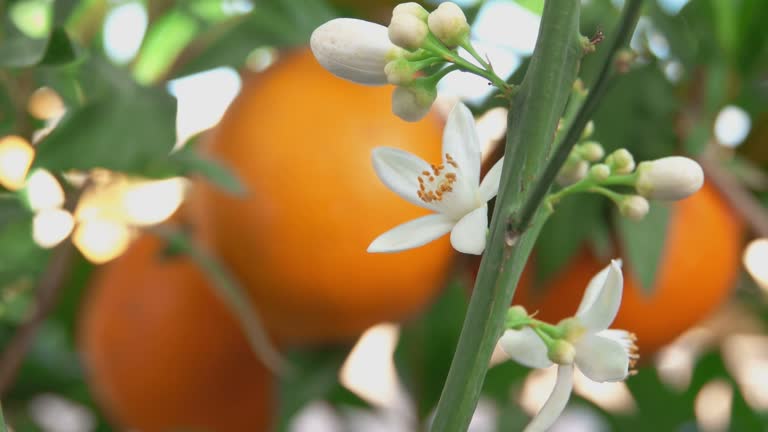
pixel 669 178
pixel 449 24
pixel 407 31
pixel 353 49
pixel 412 103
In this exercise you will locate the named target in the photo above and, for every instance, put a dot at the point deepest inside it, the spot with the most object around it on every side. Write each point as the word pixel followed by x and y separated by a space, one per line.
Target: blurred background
pixel 186 198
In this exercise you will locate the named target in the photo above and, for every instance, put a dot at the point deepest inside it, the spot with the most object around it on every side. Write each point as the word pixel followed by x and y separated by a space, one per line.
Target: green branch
pixel 533 118
pixel 626 27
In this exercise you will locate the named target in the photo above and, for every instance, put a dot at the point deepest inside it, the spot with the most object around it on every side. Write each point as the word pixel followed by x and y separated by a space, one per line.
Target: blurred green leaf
pixel 535 6
pixel 643 243
pixel 638 113
pixel 278 23
pixel 503 379
pixel 424 352
pixel 190 162
pixel 565 233
pixel 21 256
pixel 3 427
pixel 32 17
pixel 21 52
pixel 164 41
pixel 313 376
pixel 131 131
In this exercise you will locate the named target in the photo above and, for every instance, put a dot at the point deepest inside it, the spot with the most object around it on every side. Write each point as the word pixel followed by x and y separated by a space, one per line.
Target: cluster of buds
pixel 667 179
pixel 414 53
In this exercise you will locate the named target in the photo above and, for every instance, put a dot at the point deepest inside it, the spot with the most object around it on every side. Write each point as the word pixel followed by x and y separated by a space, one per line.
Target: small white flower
pixel 621 161
pixel 669 178
pixel 451 189
pixel 601 354
pixel 353 49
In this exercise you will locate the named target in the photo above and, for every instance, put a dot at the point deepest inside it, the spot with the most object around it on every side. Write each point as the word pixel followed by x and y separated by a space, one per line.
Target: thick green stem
pixel 536 109
pixel 621 39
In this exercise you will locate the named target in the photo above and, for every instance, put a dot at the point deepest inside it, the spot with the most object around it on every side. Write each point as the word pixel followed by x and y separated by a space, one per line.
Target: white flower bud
pixel 572 172
pixel 411 8
pixel 669 178
pixel 412 103
pixel 449 24
pixel 600 172
pixel 591 151
pixel 621 161
pixel 353 49
pixel 399 72
pixel 634 207
pixel 407 31
pixel 562 352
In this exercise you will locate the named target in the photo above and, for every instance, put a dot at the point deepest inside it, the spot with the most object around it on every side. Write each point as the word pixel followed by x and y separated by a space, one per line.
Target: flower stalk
pixel 519 216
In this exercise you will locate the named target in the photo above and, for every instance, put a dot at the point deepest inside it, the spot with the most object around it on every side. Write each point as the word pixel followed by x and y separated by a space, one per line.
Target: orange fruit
pixel 300 140
pixel 699 266
pixel 162 353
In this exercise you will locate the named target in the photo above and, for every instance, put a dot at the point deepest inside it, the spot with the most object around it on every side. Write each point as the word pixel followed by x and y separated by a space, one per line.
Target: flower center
pixel 435 184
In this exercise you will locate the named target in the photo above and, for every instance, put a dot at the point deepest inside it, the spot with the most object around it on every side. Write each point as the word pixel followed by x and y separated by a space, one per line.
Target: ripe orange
pixel 698 269
pixel 162 353
pixel 300 139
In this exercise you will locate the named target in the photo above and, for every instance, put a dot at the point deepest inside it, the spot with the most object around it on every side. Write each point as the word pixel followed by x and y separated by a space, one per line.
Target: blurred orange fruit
pixel 699 266
pixel 162 353
pixel 300 139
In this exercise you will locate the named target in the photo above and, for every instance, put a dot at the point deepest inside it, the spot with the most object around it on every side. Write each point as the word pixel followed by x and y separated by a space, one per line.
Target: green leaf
pixel 189 162
pixel 565 232
pixel 130 131
pixel 20 255
pixel 164 41
pixel 535 6
pixel 643 243
pixel 424 352
pixel 503 379
pixel 21 52
pixel 313 376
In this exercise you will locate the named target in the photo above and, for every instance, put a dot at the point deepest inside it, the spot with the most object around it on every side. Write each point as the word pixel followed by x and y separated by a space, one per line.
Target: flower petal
pixel 602 298
pixel 399 171
pixel 525 347
pixel 489 187
pixel 460 140
pixel 556 402
pixel 415 233
pixel 468 236
pixel 602 358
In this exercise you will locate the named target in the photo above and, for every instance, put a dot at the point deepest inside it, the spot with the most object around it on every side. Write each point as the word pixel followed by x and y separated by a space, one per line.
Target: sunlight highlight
pixel 43 191
pixel 756 261
pixel 16 156
pixel 51 226
pixel 151 202
pixel 713 406
pixel 101 240
pixel 369 370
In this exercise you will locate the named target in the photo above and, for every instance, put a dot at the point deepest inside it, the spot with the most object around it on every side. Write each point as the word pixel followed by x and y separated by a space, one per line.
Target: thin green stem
pixel 626 27
pixel 467 45
pixel 434 45
pixel 535 110
pixel 613 196
pixel 621 180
